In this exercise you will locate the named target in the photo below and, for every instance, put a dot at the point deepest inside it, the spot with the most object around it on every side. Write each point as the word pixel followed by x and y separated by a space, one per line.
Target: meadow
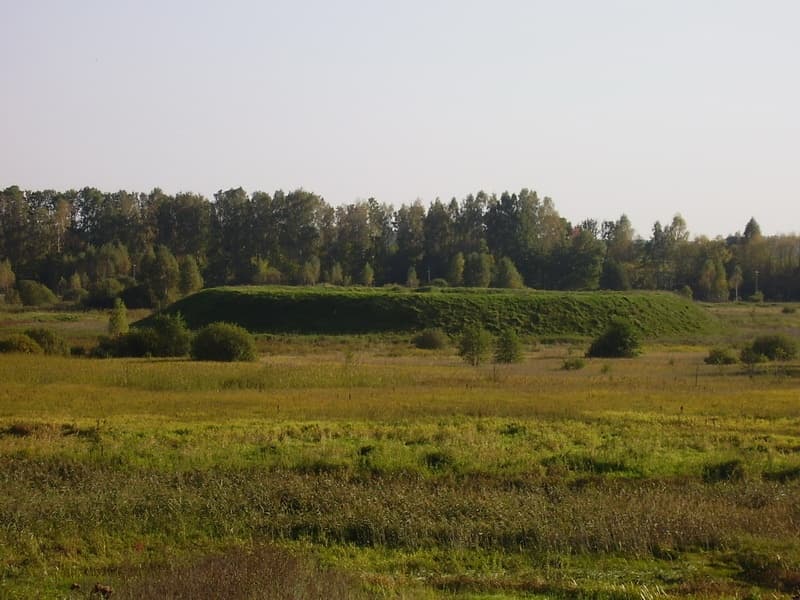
pixel 360 467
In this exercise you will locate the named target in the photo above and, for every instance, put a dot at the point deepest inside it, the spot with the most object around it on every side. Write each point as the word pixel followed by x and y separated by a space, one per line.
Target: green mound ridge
pixel 329 310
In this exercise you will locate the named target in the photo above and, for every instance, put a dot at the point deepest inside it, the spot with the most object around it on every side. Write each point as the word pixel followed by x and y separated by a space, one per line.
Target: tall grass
pixel 414 475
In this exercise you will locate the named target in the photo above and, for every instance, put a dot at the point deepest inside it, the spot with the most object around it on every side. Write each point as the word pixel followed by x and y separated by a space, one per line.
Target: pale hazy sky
pixel 640 107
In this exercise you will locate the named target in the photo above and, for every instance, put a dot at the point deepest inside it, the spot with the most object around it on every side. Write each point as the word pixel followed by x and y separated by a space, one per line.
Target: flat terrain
pixel 359 466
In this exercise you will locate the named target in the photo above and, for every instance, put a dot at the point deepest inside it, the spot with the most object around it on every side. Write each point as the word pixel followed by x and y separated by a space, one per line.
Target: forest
pixel 91 247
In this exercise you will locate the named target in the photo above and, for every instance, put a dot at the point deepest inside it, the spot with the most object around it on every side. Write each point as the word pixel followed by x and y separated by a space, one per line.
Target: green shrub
pixel 223 342
pixel 431 339
pixel 731 470
pixel 508 347
pixel 757 297
pixel 118 319
pixel 20 343
pixel 720 356
pixel 750 357
pixel 439 282
pixel 789 310
pixel 775 347
pixel 33 293
pixel 618 341
pixel 174 338
pixel 103 293
pixel 475 345
pixel 167 335
pixel 49 340
pixel 573 364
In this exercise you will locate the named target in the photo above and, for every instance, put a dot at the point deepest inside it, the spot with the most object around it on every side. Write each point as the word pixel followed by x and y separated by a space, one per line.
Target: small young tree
pixel 508 347
pixel 336 276
pixel 455 271
pixel 118 319
pixel 367 275
pixel 412 280
pixel 475 345
pixel 7 277
pixel 735 280
pixel 311 271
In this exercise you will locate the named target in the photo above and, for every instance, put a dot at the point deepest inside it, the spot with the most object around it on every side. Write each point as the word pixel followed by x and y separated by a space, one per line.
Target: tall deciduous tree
pixel 7 277
pixel 161 276
pixel 190 279
pixel 478 269
pixel 507 275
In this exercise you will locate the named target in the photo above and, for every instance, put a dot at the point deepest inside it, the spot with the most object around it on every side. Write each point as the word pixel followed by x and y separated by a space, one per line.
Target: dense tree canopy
pixel 151 248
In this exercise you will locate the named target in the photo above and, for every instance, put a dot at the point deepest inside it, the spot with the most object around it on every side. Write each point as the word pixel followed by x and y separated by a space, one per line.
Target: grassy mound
pixel 325 310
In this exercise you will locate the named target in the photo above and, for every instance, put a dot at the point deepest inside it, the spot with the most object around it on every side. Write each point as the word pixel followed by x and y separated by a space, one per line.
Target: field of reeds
pixel 361 467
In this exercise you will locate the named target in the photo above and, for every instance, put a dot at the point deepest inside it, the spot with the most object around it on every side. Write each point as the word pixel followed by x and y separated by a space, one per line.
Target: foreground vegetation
pixel 367 467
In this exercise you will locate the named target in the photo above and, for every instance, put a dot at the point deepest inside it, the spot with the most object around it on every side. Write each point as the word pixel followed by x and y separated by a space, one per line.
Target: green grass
pixel 369 468
pixel 364 310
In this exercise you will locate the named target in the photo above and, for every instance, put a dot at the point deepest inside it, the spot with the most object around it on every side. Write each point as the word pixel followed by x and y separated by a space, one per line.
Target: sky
pixel 642 107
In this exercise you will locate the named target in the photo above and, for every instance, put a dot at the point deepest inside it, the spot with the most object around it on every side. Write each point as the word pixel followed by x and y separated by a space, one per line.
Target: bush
pixel 731 470
pixel 103 293
pixel 33 293
pixel 20 343
pixel 431 339
pixel 174 338
pixel 223 342
pixel 720 356
pixel 574 364
pixel 166 336
pixel 789 310
pixel 750 357
pixel 475 345
pixel 757 297
pixel 508 348
pixel 775 347
pixel 619 340
pixel 439 282
pixel 49 340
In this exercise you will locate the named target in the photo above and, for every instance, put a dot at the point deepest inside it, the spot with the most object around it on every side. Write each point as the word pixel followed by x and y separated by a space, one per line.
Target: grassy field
pixel 358 466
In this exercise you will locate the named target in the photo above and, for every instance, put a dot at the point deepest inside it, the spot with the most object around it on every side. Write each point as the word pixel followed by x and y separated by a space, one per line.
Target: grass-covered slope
pixel 365 310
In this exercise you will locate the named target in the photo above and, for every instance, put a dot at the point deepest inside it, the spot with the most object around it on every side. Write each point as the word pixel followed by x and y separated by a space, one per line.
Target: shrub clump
pixel 573 364
pixel 49 341
pixel 731 470
pixel 775 347
pixel 33 293
pixel 619 340
pixel 475 345
pixel 508 347
pixel 21 344
pixel 223 342
pixel 431 339
pixel 166 336
pixel 720 356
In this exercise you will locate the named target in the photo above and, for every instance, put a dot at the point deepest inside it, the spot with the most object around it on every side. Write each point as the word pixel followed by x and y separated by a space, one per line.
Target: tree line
pixel 93 246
